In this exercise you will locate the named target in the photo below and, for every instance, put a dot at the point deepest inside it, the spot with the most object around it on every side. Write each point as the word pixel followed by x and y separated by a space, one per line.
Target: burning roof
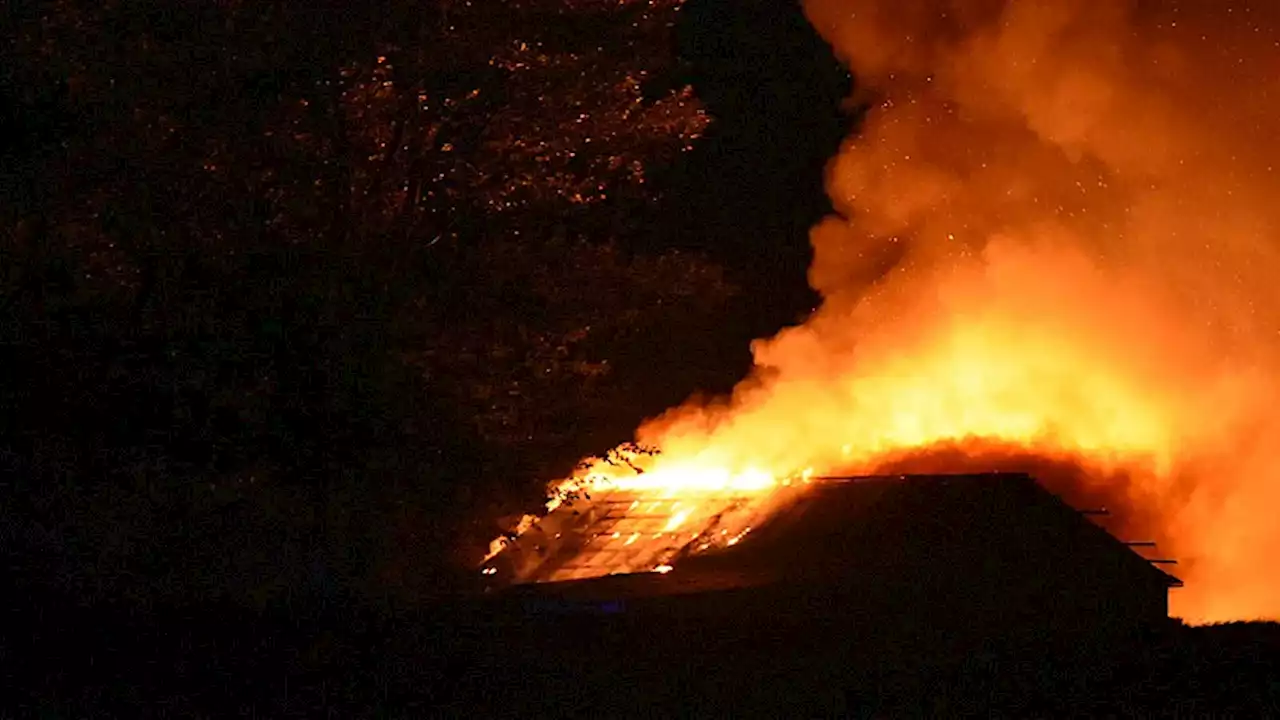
pixel 626 531
pixel 873 525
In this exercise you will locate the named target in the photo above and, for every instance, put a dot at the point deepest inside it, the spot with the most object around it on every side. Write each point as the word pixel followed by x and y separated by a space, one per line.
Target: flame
pixel 676 521
pixel 1055 239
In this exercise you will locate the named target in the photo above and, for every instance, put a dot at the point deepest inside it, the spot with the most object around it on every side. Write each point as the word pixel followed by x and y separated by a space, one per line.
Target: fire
pixel 1056 234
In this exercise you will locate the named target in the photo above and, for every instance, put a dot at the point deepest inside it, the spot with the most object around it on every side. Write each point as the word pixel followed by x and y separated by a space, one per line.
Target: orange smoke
pixel 1079 200
pixel 1055 250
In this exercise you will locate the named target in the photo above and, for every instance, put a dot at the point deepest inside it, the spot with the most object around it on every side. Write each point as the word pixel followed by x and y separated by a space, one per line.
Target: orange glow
pixel 1056 239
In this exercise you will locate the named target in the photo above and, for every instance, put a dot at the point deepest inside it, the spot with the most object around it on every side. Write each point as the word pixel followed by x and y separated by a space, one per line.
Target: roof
pixel 625 531
pixel 881 526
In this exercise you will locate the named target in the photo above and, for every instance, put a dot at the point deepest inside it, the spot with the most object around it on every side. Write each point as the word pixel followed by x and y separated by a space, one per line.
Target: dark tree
pixel 299 297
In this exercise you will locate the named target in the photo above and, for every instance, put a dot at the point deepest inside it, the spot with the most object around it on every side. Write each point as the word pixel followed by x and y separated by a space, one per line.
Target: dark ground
pixel 299 300
pixel 452 660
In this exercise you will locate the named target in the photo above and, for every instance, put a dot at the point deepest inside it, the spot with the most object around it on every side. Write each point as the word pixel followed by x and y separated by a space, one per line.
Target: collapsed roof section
pixel 630 531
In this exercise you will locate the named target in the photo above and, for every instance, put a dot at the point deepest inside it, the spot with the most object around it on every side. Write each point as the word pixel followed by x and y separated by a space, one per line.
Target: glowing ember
pixel 1056 235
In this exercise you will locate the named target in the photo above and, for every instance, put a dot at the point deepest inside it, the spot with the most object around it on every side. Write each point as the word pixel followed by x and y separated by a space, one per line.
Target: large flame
pixel 1056 239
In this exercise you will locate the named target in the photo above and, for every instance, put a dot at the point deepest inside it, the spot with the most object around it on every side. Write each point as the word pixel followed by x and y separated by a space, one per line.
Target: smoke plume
pixel 1056 238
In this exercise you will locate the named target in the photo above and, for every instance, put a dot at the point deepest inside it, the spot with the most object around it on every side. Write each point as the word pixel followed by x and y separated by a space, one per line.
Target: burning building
pixel 1054 229
pixel 984 552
